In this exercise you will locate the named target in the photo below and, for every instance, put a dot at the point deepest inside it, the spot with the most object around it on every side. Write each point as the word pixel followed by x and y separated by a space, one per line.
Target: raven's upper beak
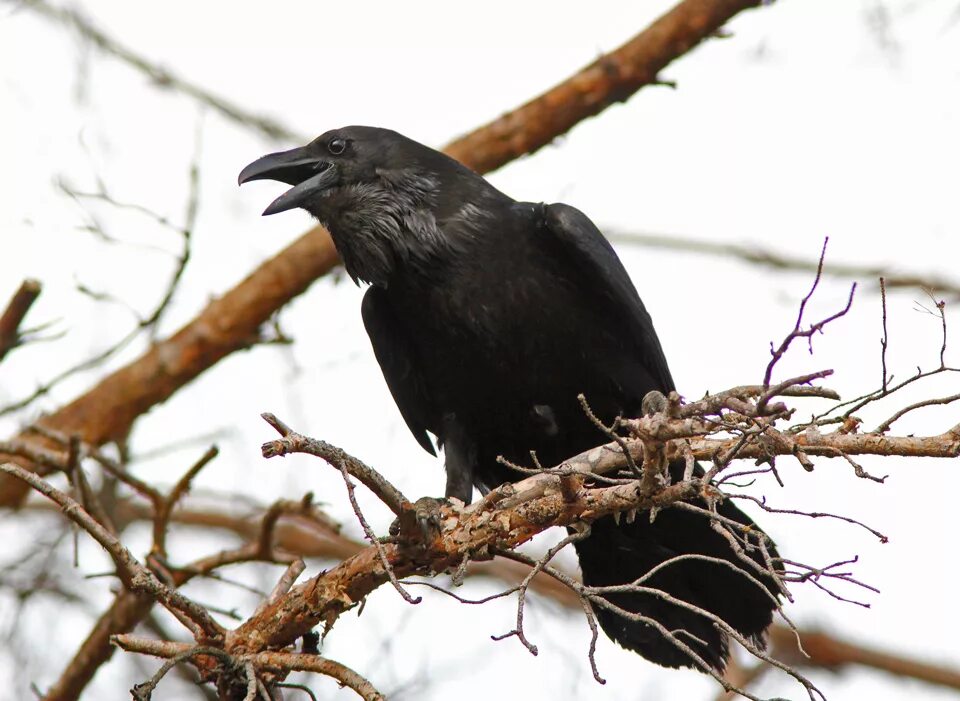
pixel 301 167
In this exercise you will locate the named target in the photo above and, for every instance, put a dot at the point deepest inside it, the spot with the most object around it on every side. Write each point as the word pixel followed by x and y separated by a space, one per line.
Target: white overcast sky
pixel 818 118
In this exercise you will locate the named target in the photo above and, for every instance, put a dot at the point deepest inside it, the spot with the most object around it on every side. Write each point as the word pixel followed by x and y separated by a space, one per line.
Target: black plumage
pixel 488 317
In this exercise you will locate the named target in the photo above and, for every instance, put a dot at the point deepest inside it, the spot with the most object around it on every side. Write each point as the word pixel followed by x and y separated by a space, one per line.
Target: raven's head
pixel 383 196
pixel 341 157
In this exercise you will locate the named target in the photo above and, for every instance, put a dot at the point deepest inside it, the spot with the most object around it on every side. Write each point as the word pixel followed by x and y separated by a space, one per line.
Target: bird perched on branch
pixel 489 317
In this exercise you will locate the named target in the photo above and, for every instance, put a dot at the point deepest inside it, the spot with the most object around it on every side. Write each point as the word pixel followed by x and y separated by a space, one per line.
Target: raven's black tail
pixel 620 554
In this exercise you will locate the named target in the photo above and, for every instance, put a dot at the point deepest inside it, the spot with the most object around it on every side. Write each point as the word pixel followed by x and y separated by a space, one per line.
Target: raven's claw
pixel 427 511
pixel 423 523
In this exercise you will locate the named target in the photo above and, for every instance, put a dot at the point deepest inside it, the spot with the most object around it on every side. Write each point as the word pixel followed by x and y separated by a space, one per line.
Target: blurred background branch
pixel 163 78
pixel 777 261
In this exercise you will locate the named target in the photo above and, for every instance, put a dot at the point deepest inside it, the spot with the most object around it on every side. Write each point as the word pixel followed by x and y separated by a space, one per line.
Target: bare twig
pixel 144 691
pixel 883 341
pixel 797 331
pixel 885 426
pixel 150 323
pixel 611 433
pixel 852 406
pixel 762 503
pixel 265 660
pixel 538 567
pixel 372 538
pixel 293 442
pixel 165 506
pixel 572 593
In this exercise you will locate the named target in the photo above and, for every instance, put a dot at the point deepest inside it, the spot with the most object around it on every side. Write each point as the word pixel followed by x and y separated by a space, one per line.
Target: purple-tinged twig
pixel 883 341
pixel 798 332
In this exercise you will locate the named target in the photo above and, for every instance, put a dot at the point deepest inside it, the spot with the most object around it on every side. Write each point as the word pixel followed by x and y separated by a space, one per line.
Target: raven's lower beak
pixel 301 167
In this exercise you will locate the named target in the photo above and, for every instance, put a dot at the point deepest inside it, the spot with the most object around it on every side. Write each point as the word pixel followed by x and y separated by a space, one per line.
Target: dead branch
pixel 293 442
pixel 325 597
pixel 165 506
pixel 832 445
pixel 692 429
pixel 509 515
pixel 313 540
pixel 612 78
pixel 265 660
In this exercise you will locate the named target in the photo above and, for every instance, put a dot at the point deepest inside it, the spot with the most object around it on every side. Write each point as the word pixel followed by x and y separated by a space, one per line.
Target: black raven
pixel 488 317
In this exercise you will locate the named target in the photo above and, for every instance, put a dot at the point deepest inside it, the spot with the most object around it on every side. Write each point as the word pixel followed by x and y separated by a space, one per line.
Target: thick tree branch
pixel 123 615
pixel 612 78
pixel 324 597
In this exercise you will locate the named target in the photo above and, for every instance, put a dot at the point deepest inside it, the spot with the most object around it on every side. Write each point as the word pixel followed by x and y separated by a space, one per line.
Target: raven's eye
pixel 336 146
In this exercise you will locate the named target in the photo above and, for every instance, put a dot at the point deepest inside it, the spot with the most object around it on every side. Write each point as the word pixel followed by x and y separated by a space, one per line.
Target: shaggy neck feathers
pixel 391 224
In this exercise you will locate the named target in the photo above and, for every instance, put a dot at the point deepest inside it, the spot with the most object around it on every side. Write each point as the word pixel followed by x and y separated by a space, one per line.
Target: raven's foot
pixel 422 522
pixel 427 512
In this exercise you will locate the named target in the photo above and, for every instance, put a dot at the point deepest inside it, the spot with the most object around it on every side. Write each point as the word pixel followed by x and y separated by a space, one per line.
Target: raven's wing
pixel 604 273
pixel 394 352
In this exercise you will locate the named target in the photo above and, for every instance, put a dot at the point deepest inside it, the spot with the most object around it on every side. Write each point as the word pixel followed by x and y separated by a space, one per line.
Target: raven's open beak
pixel 301 167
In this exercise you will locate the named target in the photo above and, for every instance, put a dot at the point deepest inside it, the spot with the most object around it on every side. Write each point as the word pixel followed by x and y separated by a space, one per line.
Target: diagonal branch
pixel 277 660
pixel 612 78
pixel 293 442
pixel 323 598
